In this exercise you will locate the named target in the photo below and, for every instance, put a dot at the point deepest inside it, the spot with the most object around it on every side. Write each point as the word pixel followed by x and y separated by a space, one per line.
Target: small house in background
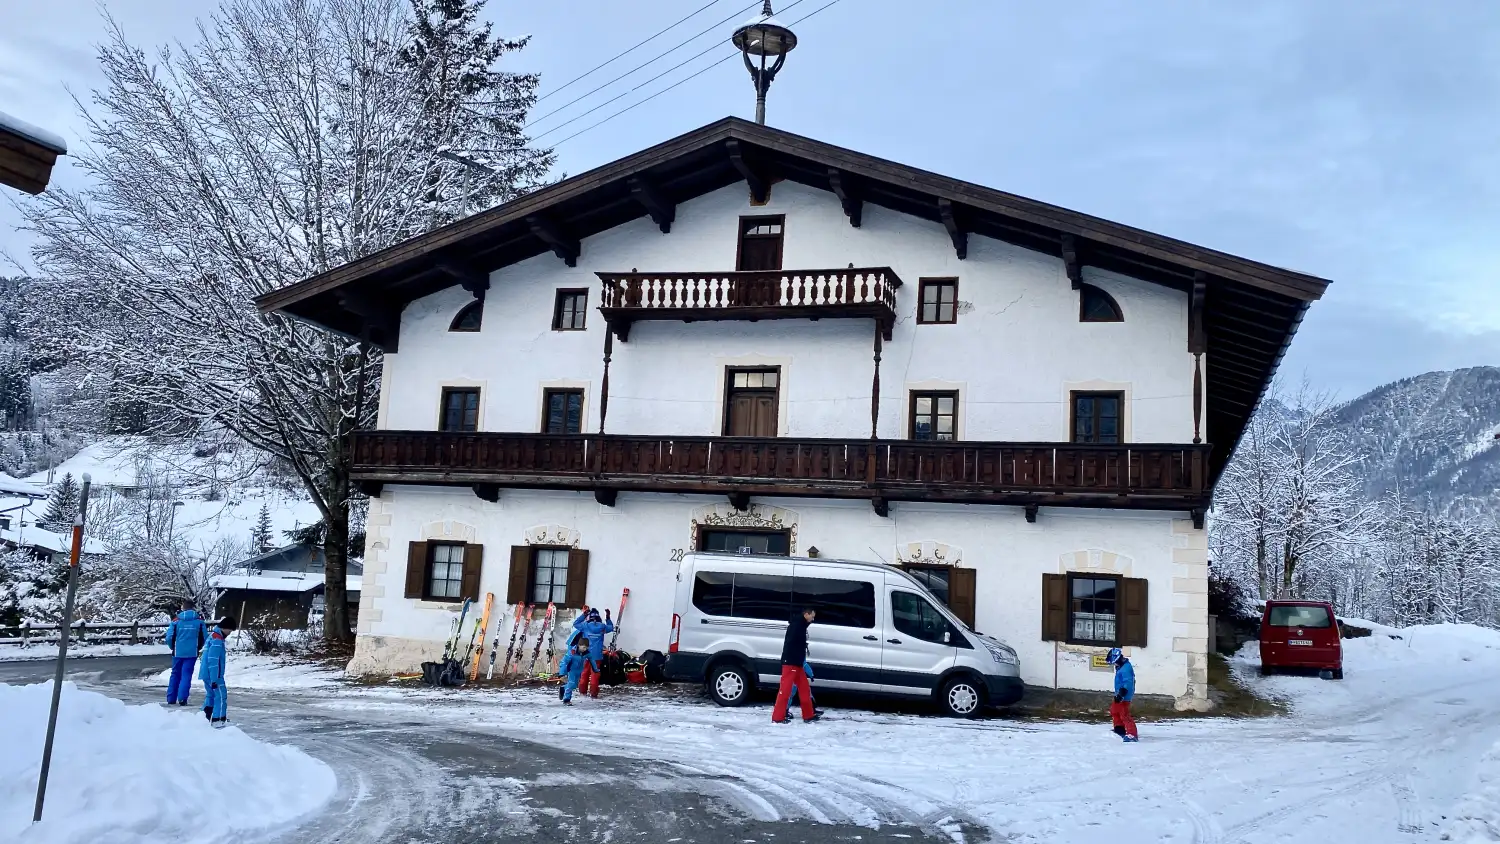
pixel 27 154
pixel 283 587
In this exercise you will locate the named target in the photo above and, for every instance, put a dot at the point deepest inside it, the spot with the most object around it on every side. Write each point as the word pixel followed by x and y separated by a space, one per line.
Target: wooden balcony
pixel 781 294
pixel 1165 477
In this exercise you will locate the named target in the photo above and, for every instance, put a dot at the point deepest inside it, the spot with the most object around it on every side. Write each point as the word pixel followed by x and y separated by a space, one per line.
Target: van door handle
pixel 894 641
pixel 872 638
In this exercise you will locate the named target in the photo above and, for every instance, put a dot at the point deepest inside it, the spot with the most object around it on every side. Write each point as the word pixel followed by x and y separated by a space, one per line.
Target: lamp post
pixel 763 37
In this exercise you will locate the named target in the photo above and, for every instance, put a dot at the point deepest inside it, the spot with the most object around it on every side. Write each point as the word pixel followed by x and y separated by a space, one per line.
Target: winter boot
pixel 208 714
pixel 817 716
pixel 1129 739
pixel 567 702
pixel 1119 731
pixel 560 695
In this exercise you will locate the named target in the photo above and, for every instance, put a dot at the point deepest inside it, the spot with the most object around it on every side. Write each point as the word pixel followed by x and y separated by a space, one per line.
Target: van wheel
pixel 1266 671
pixel 961 697
pixel 1338 673
pixel 729 684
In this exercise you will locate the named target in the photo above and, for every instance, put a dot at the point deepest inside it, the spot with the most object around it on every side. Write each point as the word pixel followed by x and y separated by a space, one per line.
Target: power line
pixel 626 52
pixel 630 72
pixel 694 75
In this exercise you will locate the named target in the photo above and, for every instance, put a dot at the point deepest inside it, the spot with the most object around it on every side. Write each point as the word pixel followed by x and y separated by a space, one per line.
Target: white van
pixel 878 631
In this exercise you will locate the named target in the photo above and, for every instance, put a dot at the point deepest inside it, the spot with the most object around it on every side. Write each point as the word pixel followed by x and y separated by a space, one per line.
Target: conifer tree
pixel 62 506
pixel 260 538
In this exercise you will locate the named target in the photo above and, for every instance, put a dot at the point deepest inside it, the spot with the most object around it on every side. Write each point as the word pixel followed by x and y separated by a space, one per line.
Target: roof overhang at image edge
pixel 1251 309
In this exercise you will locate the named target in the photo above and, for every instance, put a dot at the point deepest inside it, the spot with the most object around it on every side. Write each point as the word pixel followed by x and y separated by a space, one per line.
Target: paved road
pixel 403 780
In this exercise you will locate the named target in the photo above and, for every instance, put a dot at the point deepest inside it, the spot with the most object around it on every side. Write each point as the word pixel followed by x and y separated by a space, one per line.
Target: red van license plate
pixel 1307 642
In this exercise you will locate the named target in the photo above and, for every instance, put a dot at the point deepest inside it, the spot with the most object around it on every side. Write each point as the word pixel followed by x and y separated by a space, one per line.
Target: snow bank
pixel 127 774
pixel 1476 817
pixel 14 653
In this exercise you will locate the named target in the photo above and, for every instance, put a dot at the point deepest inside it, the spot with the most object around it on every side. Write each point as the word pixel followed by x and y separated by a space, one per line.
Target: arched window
pixel 469 318
pixel 1094 305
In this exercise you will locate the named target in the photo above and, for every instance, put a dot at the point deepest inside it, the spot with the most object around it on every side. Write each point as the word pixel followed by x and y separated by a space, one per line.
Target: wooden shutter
pixel 1055 607
pixel 1132 612
pixel 578 577
pixel 416 569
pixel 961 594
pixel 473 565
pixel 520 575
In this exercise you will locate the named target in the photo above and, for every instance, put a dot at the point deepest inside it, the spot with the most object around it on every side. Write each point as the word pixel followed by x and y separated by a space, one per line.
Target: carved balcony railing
pixel 868 293
pixel 1051 474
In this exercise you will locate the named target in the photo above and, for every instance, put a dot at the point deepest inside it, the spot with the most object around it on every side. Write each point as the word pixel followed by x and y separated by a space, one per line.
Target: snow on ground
pixel 266 673
pixel 127 774
pixel 14 653
pixel 1381 756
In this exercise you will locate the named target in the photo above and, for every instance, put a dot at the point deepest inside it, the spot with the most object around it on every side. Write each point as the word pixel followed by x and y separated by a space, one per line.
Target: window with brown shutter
pixel 1054 607
pixel 416 569
pixel 760 243
pixel 520 574
pixel 1133 612
pixel 540 574
pixel 443 571
pixel 578 577
pixel 473 568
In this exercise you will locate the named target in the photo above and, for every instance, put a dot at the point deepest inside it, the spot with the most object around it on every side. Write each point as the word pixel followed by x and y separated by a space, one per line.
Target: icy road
pixel 1394 753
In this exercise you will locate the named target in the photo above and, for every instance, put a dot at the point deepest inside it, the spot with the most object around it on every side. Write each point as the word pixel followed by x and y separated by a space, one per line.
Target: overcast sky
pixel 1356 140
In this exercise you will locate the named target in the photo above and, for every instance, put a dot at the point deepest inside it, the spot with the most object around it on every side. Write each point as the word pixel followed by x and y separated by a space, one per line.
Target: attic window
pixel 469 318
pixel 1094 305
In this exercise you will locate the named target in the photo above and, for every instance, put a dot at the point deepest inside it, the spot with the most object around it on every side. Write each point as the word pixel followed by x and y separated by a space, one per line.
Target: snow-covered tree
pixel 261 539
pixel 292 137
pixel 62 506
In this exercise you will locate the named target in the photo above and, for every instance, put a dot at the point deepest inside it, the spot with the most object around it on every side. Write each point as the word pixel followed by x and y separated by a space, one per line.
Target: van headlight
pixel 1002 654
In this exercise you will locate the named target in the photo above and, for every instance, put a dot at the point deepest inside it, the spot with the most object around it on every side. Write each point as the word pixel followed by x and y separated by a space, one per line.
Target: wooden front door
pixel 750 402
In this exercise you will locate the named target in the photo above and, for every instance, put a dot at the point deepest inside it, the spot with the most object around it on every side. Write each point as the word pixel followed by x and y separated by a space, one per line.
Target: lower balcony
pixel 1160 477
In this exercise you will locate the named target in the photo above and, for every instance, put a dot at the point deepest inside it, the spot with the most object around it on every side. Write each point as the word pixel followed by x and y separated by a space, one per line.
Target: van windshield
pixel 1294 616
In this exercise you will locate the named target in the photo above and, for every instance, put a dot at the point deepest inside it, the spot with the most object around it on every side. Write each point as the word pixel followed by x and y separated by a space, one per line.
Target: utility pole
pixel 62 645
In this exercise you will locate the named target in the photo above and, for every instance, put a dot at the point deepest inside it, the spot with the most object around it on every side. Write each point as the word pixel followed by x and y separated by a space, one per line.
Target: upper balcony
pixel 868 293
pixel 1148 476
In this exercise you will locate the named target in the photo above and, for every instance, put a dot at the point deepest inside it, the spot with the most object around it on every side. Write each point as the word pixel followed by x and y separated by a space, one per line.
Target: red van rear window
pixel 1294 616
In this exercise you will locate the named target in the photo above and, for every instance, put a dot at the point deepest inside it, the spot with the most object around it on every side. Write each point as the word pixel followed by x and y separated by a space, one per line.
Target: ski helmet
pixel 1115 655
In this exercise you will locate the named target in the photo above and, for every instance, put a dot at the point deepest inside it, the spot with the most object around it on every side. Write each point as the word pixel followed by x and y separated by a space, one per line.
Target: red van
pixel 1300 634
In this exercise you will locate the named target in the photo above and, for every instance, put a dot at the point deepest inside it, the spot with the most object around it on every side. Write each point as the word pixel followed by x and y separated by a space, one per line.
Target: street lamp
pixel 762 37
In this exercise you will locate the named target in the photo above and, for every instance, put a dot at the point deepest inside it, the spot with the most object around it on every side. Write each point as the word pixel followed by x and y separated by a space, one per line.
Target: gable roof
pixel 1251 310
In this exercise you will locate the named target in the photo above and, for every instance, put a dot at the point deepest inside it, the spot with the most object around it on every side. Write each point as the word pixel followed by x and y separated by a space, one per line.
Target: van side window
pixel 913 615
pixel 767 596
pixel 844 603
pixel 713 592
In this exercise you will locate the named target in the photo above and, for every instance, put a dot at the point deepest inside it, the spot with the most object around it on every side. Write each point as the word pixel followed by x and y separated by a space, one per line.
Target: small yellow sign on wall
pixel 1097 663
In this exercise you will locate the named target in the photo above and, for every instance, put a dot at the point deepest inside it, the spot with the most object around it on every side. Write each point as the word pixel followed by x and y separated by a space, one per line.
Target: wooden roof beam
pixel 1070 260
pixel 760 184
pixel 563 246
pixel 662 210
pixel 844 187
pixel 948 213
pixel 1197 301
pixel 470 279
pixel 380 324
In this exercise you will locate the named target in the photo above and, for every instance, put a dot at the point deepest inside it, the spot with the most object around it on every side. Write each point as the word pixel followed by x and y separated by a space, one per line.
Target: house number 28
pixel 677 555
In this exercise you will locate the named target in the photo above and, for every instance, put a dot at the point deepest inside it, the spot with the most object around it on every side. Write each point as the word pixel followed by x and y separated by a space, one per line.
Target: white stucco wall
pixel 1016 351
pixel 631 545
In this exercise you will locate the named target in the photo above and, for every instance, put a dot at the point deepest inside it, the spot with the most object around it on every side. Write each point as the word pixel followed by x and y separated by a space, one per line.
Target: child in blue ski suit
pixel 572 668
pixel 185 636
pixel 590 625
pixel 216 703
pixel 1119 711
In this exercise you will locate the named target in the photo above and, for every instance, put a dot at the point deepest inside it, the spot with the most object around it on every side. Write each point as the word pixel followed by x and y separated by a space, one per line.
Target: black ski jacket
pixel 794 647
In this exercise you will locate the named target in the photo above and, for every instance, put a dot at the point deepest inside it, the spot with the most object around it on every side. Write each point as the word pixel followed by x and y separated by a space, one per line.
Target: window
pixel 713 592
pixel 469 318
pixel 549 576
pixel 1096 417
pixel 751 401
pixel 954 587
pixel 935 578
pixel 746 541
pixel 939 301
pixel 1094 305
pixel 1293 616
pixel 460 411
pixel 934 415
pixel 842 603
pixel 569 311
pixel 445 572
pixel 760 243
pixel 1093 609
pixel 767 596
pixel 916 617
pixel 562 411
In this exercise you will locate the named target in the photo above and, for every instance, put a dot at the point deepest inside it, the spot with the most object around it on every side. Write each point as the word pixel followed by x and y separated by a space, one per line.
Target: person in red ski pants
pixel 793 657
pixel 593 628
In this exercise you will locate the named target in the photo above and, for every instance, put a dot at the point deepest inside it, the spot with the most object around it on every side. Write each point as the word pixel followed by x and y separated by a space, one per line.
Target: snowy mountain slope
pixel 1431 436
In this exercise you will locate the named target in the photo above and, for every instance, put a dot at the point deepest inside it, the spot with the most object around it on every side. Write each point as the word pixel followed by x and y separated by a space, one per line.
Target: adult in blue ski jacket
pixel 216 703
pixel 593 628
pixel 185 636
pixel 1119 711
pixel 571 667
